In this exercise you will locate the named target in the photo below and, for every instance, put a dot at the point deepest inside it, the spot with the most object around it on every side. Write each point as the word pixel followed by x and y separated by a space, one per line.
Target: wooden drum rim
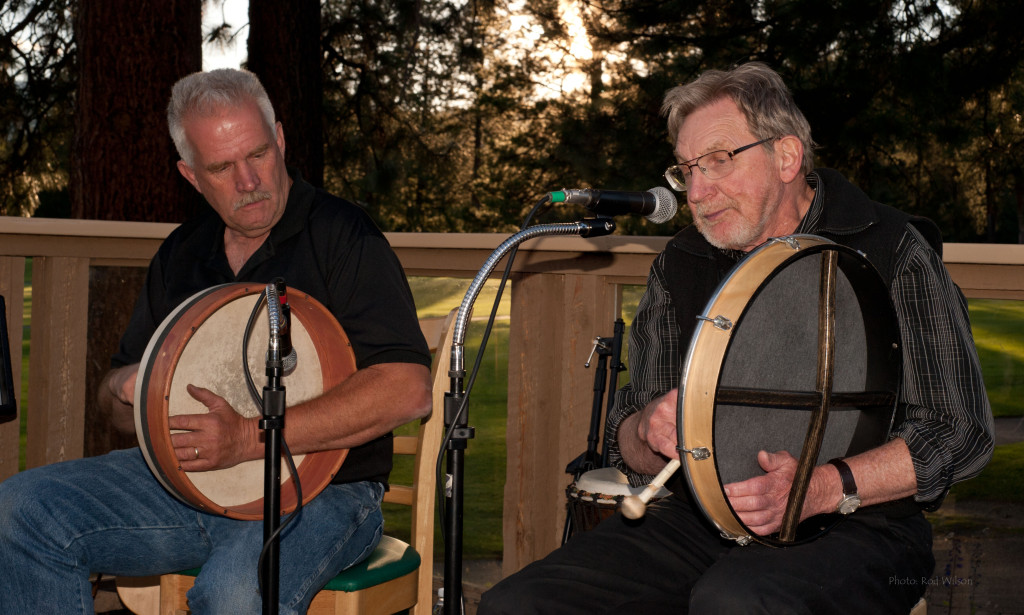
pixel 707 357
pixel 700 377
pixel 156 371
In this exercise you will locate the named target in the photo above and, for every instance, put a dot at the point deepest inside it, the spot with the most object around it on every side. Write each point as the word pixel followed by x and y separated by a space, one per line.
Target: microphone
pixel 279 314
pixel 287 350
pixel 657 204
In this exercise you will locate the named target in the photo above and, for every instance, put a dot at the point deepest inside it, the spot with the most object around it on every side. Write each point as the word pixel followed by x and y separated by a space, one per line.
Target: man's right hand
pixel 647 439
pixel 117 393
pixel 657 428
pixel 122 383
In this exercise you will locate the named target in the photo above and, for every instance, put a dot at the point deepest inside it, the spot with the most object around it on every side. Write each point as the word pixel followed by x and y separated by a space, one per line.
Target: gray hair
pixel 204 93
pixel 761 96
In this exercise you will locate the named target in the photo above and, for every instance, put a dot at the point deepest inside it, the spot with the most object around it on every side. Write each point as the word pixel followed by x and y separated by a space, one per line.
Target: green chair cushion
pixel 390 560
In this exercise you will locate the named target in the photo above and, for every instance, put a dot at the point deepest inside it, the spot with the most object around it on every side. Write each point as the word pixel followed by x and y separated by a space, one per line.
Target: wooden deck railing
pixel 565 290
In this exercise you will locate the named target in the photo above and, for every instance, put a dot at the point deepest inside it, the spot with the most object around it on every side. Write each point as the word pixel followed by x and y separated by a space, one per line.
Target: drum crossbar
pixel 826 372
pixel 803 400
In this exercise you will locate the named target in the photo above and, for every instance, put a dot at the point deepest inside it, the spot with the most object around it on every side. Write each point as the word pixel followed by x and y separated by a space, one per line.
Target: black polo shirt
pixel 322 245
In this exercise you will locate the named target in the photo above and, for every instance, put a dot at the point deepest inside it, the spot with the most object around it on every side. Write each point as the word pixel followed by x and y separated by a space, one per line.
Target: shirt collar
pixel 813 216
pixel 296 211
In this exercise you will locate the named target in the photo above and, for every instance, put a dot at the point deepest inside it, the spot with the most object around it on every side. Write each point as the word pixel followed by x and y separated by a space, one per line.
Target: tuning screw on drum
pixel 699 454
pixel 720 322
pixel 740 540
pixel 790 241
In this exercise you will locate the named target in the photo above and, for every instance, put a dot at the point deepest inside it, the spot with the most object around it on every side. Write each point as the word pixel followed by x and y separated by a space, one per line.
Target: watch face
pixel 848 504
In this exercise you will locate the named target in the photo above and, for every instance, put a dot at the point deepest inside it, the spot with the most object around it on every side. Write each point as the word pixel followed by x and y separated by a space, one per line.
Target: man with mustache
pixel 745 161
pixel 109 514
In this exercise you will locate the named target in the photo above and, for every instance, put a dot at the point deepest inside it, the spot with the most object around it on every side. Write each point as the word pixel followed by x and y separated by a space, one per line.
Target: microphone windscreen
pixel 289 362
pixel 665 206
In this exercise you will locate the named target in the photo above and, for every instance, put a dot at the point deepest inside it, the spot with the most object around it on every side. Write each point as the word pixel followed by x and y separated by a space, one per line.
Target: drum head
pixel 201 343
pixel 609 484
pixel 785 351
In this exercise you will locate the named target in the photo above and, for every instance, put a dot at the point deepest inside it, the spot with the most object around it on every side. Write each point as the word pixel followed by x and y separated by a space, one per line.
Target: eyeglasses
pixel 714 165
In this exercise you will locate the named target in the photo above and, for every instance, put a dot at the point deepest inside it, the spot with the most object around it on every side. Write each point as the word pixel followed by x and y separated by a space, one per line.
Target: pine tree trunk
pixel 284 51
pixel 130 54
pixel 123 161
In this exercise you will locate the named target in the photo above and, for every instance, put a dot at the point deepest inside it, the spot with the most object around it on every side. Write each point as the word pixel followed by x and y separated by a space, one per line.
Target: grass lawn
pixel 999 335
pixel 485 454
pixel 1001 481
pixel 26 332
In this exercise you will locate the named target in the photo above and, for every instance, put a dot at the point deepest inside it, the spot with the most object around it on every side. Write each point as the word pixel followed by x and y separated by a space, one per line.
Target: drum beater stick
pixel 635 506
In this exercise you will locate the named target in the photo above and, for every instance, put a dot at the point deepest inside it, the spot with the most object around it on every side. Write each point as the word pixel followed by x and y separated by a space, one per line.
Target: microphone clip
pixel 598 226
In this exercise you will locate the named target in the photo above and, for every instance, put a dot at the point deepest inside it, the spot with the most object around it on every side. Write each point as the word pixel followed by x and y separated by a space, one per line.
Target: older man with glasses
pixel 746 166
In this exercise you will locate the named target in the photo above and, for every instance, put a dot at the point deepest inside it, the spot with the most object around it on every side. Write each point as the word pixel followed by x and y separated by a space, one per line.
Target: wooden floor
pixel 979 560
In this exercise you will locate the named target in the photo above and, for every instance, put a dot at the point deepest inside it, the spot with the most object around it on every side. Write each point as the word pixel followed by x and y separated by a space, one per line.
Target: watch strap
pixel 849 484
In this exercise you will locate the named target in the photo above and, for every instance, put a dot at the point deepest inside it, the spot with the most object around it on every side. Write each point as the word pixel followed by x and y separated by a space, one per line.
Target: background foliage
pixel 458 115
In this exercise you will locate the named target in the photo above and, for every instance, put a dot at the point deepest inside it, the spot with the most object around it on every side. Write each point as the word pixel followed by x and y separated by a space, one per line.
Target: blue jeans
pixel 62 522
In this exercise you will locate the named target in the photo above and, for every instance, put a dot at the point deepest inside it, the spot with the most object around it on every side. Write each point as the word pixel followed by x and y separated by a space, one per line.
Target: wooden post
pixel 60 297
pixel 12 287
pixel 555 318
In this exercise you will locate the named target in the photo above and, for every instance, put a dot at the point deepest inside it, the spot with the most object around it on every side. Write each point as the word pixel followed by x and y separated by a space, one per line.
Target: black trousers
pixel 674 561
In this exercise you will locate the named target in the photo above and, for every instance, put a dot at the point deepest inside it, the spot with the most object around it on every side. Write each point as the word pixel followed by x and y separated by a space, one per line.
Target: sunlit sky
pixel 578 52
pixel 235 13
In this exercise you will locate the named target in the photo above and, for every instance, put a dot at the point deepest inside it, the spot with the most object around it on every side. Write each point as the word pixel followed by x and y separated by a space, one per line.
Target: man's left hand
pixel 760 502
pixel 218 439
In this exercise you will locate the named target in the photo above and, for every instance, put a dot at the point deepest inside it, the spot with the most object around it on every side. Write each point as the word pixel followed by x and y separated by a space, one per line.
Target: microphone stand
pixel 613 380
pixel 456 409
pixel 606 349
pixel 589 459
pixel 273 424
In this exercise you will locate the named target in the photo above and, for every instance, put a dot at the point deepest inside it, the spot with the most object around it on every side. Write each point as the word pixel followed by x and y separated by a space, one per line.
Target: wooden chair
pixel 396 576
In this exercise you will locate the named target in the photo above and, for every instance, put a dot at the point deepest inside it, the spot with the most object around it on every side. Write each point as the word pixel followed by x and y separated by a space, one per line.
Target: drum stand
pixel 456 411
pixel 605 348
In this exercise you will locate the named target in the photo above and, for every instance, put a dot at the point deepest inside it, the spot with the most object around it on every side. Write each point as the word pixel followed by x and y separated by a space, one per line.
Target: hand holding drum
pixel 634 506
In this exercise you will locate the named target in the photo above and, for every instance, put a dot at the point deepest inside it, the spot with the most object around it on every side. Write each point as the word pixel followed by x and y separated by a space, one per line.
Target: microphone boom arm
pixel 456 408
pixel 591 227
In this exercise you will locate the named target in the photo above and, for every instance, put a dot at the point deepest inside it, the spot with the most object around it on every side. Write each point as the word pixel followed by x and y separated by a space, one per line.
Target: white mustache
pixel 252 197
pixel 701 210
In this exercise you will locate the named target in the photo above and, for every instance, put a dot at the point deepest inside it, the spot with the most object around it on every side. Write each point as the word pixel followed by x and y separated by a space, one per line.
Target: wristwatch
pixel 850 501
